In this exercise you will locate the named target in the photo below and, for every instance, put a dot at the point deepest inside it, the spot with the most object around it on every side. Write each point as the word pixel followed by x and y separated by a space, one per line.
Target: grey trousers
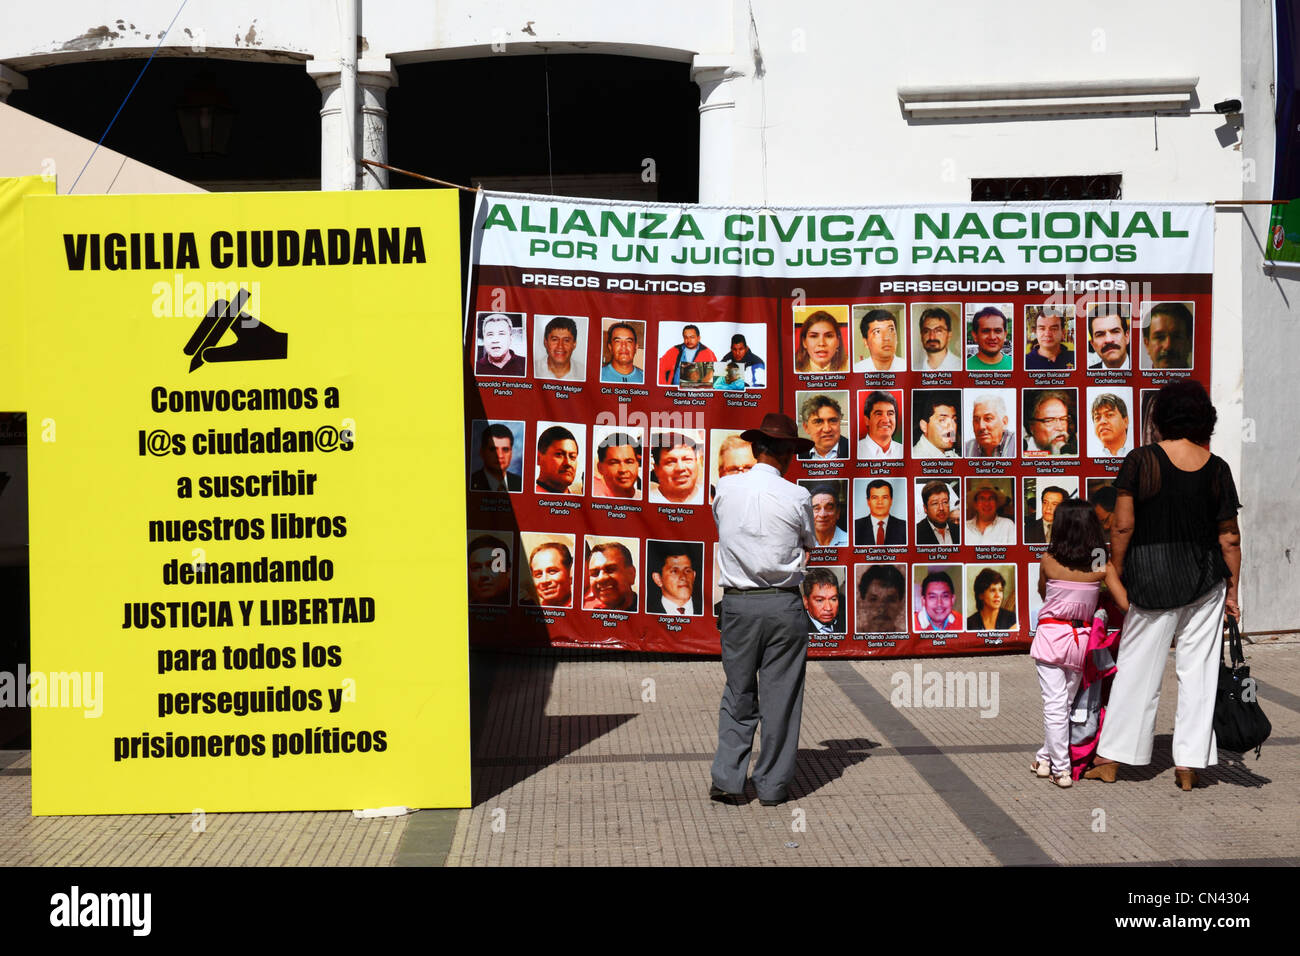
pixel 764 648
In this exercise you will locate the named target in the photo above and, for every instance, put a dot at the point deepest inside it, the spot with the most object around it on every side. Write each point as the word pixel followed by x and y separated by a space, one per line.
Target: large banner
pixel 961 371
pixel 245 573
pixel 1284 223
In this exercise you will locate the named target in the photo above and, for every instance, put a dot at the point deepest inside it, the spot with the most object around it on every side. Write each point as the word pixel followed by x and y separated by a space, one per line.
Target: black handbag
pixel 1239 721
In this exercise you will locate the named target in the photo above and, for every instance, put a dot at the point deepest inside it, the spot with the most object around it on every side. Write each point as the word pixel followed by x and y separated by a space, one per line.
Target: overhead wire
pixel 162 36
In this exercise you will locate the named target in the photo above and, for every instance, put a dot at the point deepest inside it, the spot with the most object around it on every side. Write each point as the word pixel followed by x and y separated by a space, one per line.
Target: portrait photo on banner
pixel 990 511
pixel 677 457
pixel 623 351
pixel 497 450
pixel 732 455
pixel 1049 338
pixel 936 422
pixel 560 347
pixel 990 595
pixel 561 448
pixel 610 579
pixel 822 420
pixel 1110 421
pixel 674 577
pixel 990 425
pixel 937 512
pixel 936 329
pixel 879 512
pixel 820 339
pixel 881 424
pixel 830 504
pixel 1109 336
pixel 490 557
pixel 937 598
pixel 825 600
pixel 1042 495
pixel 989 336
pixel 879 333
pixel 748 345
pixel 617 462
pixel 726 356
pixel 1102 495
pixel 501 345
pixel 548 577
pixel 1095 485
pixel 880 598
pixel 1051 417
pixel 1168 335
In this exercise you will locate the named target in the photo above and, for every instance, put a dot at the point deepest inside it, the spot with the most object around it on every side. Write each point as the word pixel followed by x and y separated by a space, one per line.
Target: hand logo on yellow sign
pixel 257 341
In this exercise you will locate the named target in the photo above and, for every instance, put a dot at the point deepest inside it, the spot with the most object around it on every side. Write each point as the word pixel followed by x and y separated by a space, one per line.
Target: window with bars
pixel 1052 188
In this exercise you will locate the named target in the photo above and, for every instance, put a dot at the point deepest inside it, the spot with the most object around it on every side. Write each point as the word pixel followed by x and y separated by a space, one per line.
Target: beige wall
pixel 33 147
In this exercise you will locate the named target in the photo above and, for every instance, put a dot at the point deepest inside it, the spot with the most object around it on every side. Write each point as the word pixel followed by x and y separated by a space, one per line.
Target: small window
pixel 1051 188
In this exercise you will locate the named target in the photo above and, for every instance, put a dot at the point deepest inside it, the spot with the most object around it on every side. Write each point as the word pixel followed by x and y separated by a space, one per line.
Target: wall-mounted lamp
pixel 206 117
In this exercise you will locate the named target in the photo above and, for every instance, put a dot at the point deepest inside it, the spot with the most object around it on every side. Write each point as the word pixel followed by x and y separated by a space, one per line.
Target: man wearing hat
pixel 986 526
pixel 765 528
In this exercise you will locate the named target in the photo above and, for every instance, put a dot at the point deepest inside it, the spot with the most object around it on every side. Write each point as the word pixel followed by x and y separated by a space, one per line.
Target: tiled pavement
pixel 604 760
pixel 575 766
pixel 218 839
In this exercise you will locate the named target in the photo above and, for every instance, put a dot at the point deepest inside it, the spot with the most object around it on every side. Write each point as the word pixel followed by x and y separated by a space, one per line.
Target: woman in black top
pixel 1176 544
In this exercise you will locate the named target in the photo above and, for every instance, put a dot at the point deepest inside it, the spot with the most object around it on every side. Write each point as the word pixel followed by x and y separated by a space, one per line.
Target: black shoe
pixel 723 796
pixel 772 803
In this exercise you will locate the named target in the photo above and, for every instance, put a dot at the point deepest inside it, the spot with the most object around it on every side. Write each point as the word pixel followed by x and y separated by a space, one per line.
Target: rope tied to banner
pixel 428 179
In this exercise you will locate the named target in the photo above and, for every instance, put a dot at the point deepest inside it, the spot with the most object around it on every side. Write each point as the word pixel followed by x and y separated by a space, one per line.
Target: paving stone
pixel 603 760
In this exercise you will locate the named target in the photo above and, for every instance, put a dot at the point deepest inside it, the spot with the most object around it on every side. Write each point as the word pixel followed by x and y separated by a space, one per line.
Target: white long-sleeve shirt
pixel 765 528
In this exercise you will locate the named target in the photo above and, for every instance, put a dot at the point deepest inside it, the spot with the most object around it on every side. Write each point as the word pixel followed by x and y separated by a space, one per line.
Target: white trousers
pixel 1143 648
pixel 1059 687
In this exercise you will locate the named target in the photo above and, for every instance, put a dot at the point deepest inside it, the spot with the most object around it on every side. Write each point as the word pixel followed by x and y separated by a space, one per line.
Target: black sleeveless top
pixel 1174 556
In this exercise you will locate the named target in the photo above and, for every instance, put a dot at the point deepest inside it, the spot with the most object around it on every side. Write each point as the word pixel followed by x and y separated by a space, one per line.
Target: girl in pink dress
pixel 1069 582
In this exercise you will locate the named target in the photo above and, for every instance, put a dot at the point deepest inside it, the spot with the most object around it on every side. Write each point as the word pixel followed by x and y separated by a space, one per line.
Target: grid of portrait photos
pixel 694 355
pixel 951 430
pixel 1034 383
pixel 945 431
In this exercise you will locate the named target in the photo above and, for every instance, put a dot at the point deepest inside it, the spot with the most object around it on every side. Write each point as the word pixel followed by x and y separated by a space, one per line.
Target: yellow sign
pixel 247 502
pixel 12 193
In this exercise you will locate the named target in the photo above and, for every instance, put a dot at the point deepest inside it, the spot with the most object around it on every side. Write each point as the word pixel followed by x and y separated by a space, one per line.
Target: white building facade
pixel 821 103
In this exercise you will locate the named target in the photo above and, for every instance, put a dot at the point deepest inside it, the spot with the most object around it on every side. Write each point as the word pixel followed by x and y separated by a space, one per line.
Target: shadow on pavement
pixel 511 736
pixel 817 768
pixel 1232 769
